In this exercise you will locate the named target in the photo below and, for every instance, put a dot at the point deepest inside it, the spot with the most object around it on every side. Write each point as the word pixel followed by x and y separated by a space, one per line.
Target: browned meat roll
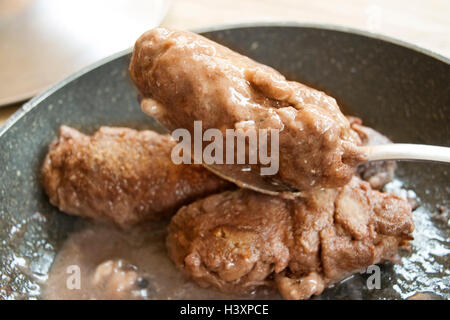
pixel 122 176
pixel 185 77
pixel 237 241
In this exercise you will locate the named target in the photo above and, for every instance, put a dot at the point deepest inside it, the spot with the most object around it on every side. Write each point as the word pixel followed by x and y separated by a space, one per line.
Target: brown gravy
pixel 134 265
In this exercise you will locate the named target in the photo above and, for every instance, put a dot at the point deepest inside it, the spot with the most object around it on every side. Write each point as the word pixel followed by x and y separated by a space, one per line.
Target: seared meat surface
pixel 238 240
pixel 377 173
pixel 185 77
pixel 122 176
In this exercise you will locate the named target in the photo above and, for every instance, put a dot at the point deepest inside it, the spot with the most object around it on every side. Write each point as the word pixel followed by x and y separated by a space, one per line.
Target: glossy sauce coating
pixel 185 77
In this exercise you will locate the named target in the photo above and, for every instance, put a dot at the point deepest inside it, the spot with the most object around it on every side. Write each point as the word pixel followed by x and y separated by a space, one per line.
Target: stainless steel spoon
pixel 395 151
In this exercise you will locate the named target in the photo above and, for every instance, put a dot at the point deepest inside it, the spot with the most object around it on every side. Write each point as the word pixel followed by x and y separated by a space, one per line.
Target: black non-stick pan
pixel 396 88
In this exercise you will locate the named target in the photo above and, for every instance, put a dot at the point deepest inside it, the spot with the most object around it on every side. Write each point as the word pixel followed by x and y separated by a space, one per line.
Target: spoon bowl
pixel 264 184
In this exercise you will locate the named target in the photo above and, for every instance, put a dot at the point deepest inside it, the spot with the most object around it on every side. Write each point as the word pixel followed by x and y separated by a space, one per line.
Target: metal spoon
pixel 395 151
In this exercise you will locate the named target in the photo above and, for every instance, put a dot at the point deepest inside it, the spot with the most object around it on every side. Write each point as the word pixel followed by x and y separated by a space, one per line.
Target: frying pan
pixel 398 89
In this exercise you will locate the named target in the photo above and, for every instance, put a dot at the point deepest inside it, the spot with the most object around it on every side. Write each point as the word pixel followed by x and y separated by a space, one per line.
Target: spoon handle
pixel 403 151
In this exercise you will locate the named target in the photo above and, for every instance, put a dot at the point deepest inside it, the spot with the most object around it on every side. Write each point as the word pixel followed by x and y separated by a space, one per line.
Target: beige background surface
pixel 424 23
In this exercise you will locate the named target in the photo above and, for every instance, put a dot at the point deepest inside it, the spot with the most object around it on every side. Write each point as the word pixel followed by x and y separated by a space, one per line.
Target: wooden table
pixel 424 23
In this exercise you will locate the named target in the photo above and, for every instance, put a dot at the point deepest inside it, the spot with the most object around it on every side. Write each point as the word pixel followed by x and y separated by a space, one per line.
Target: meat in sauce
pixel 238 241
pixel 185 77
pixel 243 243
pixel 122 176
